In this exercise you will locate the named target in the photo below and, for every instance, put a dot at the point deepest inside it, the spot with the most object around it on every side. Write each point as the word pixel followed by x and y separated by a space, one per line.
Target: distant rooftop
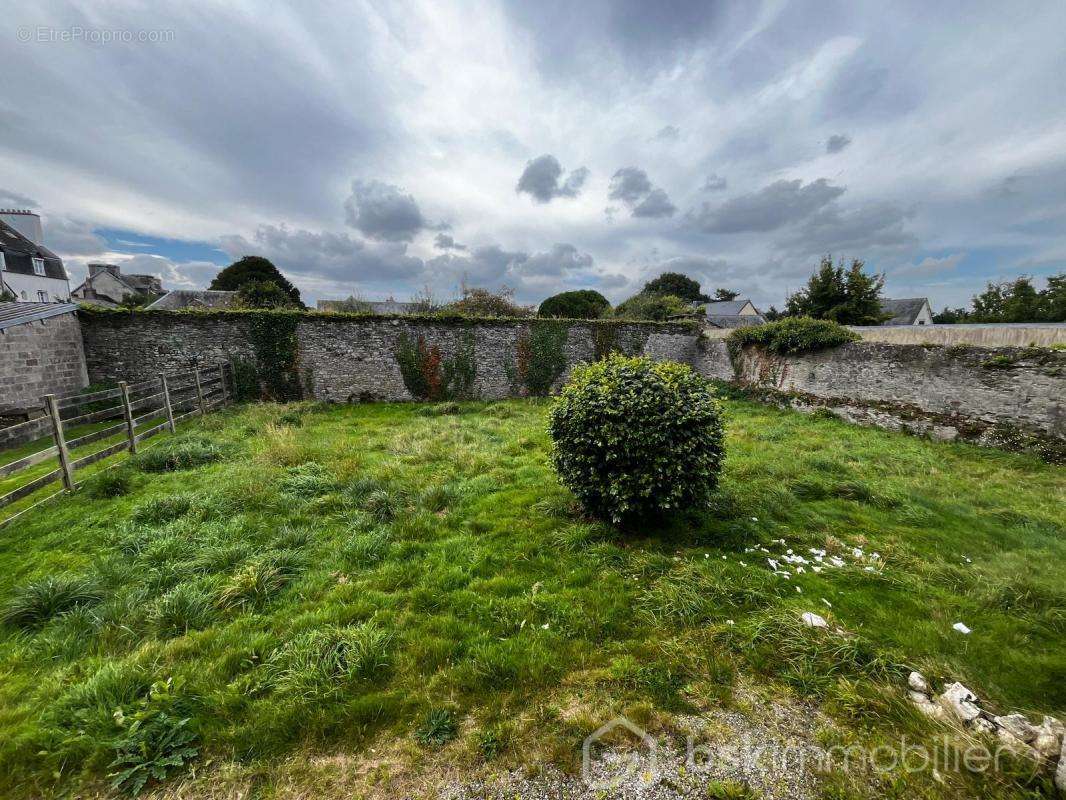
pixel 193 298
pixel 20 313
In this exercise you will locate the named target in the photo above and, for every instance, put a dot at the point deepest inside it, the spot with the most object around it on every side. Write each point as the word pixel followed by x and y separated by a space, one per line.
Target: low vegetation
pixel 363 593
pixel 791 335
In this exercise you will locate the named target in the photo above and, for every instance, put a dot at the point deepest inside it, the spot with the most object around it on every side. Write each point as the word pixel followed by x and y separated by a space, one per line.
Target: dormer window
pixel 38 266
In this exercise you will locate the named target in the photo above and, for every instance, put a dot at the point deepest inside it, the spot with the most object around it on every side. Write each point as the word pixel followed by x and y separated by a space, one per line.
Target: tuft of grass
pixel 180 453
pixel 324 663
pixel 184 608
pixel 157 510
pixel 439 726
pixel 365 549
pixel 253 585
pixel 308 480
pixel 34 604
pixel 381 504
pixel 109 484
pixel 440 409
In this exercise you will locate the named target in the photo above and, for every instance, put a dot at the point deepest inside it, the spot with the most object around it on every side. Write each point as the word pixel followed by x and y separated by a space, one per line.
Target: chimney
pixel 25 222
pixel 97 267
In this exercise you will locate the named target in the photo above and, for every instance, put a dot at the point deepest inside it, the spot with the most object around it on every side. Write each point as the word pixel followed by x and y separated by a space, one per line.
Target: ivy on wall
pixel 429 376
pixel 540 358
pixel 276 348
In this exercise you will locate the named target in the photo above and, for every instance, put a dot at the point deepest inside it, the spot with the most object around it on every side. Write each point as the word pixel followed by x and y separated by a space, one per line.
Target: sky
pixel 381 149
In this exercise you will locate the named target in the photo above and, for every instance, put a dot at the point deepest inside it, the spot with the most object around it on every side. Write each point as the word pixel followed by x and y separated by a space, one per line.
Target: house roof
pixel 726 308
pixel 19 251
pixel 904 311
pixel 193 298
pixel 20 313
pixel 735 320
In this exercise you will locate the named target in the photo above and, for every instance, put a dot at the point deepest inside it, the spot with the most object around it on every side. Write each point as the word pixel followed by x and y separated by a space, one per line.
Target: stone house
pixel 41 352
pixel 732 314
pixel 908 311
pixel 107 286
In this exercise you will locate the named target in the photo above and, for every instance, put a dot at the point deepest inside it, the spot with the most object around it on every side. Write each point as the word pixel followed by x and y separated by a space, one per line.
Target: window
pixel 42 297
pixel 38 266
pixel 3 264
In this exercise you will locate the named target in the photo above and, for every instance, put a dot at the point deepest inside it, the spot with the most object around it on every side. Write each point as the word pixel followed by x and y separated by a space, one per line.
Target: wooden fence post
pixel 166 403
pixel 222 379
pixel 199 390
pixel 61 442
pixel 127 412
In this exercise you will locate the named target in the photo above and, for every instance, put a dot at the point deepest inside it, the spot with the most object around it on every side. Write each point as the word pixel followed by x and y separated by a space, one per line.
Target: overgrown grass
pixel 341 578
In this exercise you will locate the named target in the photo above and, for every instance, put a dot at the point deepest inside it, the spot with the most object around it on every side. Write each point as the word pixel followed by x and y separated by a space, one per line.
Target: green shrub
pixel 178 454
pixel 579 304
pixel 632 437
pixel 108 484
pixel 540 358
pixel 791 335
pixel 658 307
pixel 35 603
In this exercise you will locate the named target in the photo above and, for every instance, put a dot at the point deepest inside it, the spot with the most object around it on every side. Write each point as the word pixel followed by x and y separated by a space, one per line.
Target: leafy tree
pixel 654 307
pixel 254 268
pixel 849 297
pixel 772 315
pixel 477 302
pixel 262 294
pixel 950 316
pixel 1013 301
pixel 678 285
pixel 721 295
pixel 580 304
pixel 1053 299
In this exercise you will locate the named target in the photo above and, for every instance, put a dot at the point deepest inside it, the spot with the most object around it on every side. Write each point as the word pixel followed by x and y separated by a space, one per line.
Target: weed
pixel 365 549
pixel 109 484
pixel 185 607
pixel 157 510
pixel 252 585
pixel 323 663
pixel 307 481
pixel 437 727
pixel 178 454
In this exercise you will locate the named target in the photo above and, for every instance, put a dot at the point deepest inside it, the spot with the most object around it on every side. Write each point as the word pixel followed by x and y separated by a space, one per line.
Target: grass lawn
pixel 403 587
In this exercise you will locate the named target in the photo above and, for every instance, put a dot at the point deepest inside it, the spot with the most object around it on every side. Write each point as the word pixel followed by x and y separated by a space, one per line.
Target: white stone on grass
pixel 961 627
pixel 918 683
pixel 812 620
pixel 959 702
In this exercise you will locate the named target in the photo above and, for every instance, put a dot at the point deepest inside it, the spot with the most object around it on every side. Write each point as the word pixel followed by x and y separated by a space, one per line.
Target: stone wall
pixel 997 397
pixel 38 358
pixel 344 359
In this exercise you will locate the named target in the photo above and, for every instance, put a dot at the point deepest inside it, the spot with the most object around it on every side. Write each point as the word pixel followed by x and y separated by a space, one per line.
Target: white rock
pixel 982 725
pixel 959 702
pixel 812 620
pixel 925 705
pixel 1049 738
pixel 1018 726
pixel 1060 772
pixel 918 683
pixel 1015 744
pixel 961 627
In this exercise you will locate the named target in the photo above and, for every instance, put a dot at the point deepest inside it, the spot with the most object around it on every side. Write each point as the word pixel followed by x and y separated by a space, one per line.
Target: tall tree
pixel 725 294
pixel 254 269
pixel 678 285
pixel 850 297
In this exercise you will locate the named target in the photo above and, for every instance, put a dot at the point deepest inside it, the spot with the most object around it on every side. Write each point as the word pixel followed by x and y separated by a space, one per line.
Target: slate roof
pixel 725 308
pixel 904 311
pixel 193 298
pixel 19 253
pixel 726 314
pixel 21 313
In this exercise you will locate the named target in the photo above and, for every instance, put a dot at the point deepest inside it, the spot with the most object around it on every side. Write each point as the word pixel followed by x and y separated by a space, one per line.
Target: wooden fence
pixel 133 412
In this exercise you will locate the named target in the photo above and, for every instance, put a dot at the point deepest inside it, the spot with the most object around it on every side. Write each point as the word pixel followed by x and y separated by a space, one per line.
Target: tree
pixel 678 285
pixel 654 307
pixel 725 295
pixel 950 316
pixel 1013 301
pixel 254 268
pixel 849 297
pixel 773 314
pixel 580 304
pixel 262 294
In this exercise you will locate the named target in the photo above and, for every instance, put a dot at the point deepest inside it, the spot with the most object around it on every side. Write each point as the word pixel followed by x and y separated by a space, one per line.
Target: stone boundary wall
pixel 38 358
pixel 1020 334
pixel 348 358
pixel 1009 397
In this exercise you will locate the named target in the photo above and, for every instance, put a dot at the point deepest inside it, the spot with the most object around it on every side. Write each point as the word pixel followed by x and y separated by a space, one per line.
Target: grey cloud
pixel 382 211
pixel 629 185
pixel 443 241
pixel 930 266
pixel 655 205
pixel 531 274
pixel 667 133
pixel 837 142
pixel 70 237
pixel 715 183
pixel 541 179
pixel 560 260
pixel 772 207
pixel 856 230
pixel 15 200
pixel 632 186
pixel 335 255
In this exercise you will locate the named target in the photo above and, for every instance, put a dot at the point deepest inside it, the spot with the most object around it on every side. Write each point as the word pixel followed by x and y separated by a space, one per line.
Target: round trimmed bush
pixel 633 437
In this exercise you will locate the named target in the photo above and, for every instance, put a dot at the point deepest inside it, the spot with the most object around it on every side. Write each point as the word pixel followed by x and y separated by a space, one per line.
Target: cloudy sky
pixel 376 148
